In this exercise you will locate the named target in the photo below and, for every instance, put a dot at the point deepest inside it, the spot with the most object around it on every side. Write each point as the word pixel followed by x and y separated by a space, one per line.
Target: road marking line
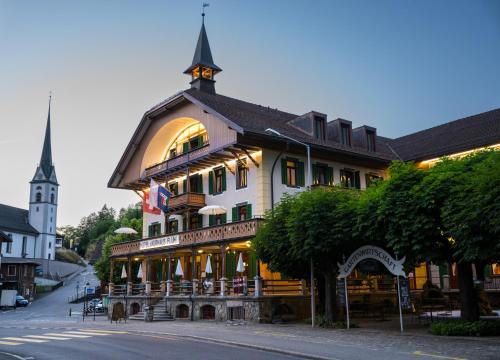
pixel 105 331
pixel 9 343
pixel 69 335
pixel 85 333
pixel 24 339
pixel 420 353
pixel 16 356
pixel 48 337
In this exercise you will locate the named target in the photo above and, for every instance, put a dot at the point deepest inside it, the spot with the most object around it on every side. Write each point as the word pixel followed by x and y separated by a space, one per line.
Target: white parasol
pixel 240 268
pixel 139 273
pixel 125 230
pixel 124 272
pixel 208 268
pixel 178 270
pixel 212 210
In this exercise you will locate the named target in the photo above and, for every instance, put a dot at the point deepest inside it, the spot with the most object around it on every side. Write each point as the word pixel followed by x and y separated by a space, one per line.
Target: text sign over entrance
pixel 159 242
pixel 372 252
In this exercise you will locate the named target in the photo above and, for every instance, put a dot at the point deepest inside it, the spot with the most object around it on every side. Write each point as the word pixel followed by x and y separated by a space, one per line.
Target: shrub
pixel 466 328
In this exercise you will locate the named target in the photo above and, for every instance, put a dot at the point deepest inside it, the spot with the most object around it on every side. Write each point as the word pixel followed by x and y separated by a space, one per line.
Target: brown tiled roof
pixel 255 118
pixel 455 136
pixel 15 220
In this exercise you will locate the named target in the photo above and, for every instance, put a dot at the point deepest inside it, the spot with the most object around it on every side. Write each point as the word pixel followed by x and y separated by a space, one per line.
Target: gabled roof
pixel 460 135
pixel 15 220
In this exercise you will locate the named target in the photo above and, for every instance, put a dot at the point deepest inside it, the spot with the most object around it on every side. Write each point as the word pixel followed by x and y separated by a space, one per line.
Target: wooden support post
pixel 251 158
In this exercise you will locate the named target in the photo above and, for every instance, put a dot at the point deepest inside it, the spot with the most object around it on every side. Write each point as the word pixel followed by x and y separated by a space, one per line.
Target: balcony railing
pixel 189 199
pixel 231 231
pixel 176 161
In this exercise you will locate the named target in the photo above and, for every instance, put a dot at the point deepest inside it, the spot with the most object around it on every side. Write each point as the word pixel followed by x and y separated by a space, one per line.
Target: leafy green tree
pixel 315 225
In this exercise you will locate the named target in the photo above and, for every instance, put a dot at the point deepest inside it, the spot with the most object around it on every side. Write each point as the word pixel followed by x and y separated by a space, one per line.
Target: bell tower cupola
pixel 203 69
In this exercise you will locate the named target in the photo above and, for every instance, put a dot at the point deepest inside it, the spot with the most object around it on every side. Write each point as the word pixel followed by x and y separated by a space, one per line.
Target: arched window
pixel 38 197
pixel 52 198
pixel 192 137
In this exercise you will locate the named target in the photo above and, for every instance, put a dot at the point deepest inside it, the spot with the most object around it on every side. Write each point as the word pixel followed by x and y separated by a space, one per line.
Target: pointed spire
pixel 46 159
pixel 203 54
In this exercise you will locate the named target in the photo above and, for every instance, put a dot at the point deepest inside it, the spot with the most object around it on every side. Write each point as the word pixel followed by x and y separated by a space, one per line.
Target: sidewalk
pixel 297 339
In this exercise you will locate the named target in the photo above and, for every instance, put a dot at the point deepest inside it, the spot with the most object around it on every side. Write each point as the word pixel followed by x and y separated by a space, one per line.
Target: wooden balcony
pixel 240 230
pixel 176 161
pixel 186 200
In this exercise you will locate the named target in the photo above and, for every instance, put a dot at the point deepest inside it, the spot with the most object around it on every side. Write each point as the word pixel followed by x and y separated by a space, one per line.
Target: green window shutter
pixel 235 214
pixel 252 265
pixel 357 183
pixel 300 173
pixel 230 265
pixel 184 224
pixel 200 221
pixel 224 218
pixel 200 140
pixel 184 186
pixel 249 211
pixel 210 182
pixel 150 230
pixel 223 179
pixel 315 174
pixel 329 175
pixel 185 147
pixel 211 220
pixel 284 177
pixel 200 183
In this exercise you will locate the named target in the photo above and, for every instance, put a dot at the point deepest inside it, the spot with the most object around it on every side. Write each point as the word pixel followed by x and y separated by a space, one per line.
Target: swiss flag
pixel 146 208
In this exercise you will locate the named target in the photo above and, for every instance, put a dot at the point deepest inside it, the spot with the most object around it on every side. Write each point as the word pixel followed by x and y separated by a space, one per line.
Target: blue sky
pixel 400 66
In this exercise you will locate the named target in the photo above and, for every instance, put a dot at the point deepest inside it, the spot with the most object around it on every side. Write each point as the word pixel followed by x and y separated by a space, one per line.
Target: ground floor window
pixel 11 270
pixel 496 269
pixel 173 226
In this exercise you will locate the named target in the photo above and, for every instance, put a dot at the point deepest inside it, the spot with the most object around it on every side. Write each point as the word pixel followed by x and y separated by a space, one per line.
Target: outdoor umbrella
pixel 139 273
pixel 125 230
pixel 208 268
pixel 212 210
pixel 240 268
pixel 124 272
pixel 178 270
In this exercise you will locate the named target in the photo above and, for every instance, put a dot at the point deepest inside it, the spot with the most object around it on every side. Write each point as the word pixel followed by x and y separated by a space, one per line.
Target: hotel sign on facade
pixel 159 242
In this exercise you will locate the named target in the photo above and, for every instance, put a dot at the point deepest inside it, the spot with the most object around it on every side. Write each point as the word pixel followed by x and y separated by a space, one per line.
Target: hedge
pixel 466 328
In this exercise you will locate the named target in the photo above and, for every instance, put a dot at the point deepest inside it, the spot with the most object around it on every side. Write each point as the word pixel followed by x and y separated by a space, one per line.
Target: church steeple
pixel 45 170
pixel 46 158
pixel 203 69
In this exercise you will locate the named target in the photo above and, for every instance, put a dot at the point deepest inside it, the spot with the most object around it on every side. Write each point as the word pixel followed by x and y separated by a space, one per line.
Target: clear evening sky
pixel 400 66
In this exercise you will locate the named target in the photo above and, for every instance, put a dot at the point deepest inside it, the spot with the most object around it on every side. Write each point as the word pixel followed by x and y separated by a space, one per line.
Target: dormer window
pixel 345 134
pixel 319 128
pixel 370 140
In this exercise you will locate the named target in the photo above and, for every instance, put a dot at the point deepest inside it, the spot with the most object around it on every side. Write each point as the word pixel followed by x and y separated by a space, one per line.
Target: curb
pixel 244 345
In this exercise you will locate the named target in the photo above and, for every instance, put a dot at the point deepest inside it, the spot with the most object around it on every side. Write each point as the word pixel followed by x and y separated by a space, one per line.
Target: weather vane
pixel 203 6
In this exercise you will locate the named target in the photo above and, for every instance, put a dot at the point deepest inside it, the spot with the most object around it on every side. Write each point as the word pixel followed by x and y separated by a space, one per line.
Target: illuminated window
pixel 191 138
pixel 496 269
pixel 241 175
pixel 196 73
pixel 370 178
pixel 207 73
pixel 291 172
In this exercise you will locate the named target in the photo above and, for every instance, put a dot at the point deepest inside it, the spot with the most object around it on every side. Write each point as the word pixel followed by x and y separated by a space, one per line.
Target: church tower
pixel 203 69
pixel 43 200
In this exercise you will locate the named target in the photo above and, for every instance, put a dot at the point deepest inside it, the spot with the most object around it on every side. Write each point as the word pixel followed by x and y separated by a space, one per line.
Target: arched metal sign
pixel 372 252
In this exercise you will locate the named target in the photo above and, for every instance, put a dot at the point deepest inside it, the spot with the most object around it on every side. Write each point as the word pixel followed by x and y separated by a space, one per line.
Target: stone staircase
pixel 159 313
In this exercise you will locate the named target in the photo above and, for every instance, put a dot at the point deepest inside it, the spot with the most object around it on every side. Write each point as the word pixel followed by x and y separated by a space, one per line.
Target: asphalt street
pixel 85 343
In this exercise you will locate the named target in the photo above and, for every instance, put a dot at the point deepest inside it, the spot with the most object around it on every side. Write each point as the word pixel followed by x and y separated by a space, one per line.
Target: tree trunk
pixel 330 296
pixel 480 265
pixel 320 284
pixel 468 300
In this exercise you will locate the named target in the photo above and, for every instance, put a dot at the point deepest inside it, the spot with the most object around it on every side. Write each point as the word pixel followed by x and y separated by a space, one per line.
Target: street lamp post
pixel 308 185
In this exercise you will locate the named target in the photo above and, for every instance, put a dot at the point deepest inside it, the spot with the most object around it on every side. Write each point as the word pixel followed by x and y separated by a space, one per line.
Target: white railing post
pixel 169 287
pixel 110 288
pixel 195 287
pixel 129 288
pixel 258 286
pixel 223 286
pixel 148 287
